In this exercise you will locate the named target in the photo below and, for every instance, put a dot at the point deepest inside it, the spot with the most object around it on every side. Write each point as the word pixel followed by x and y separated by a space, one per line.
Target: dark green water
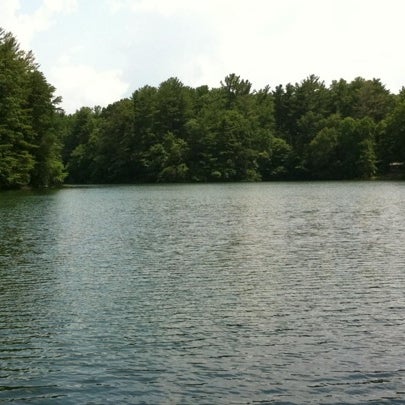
pixel 286 293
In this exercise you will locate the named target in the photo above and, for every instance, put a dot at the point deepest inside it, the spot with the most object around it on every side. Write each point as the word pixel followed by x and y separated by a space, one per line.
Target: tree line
pixel 307 130
pixel 177 133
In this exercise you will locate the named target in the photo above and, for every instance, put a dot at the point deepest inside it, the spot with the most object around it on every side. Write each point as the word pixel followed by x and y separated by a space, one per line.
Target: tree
pixel 300 111
pixel 235 88
pixel 341 98
pixel 173 107
pixel 29 144
pixel 371 99
pixel 115 159
pixel 48 169
pixel 322 153
pixel 81 144
pixel 174 167
pixel 16 159
pixel 391 138
pixel 356 150
pixel 275 159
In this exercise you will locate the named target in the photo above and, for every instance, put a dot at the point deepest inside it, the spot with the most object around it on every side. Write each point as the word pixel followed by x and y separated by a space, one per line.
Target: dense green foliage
pixel 29 144
pixel 175 133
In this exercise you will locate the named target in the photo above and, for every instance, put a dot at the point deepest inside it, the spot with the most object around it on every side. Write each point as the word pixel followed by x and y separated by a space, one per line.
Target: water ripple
pixel 253 293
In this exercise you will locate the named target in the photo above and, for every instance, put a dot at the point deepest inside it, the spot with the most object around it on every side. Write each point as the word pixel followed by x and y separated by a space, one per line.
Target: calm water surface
pixel 210 294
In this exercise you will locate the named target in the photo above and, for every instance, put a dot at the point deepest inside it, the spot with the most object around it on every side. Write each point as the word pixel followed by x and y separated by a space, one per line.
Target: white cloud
pixel 25 25
pixel 58 6
pixel 271 42
pixel 8 8
pixel 91 55
pixel 157 6
pixel 83 85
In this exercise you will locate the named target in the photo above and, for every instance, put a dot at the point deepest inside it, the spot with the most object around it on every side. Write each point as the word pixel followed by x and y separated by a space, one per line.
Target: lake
pixel 286 293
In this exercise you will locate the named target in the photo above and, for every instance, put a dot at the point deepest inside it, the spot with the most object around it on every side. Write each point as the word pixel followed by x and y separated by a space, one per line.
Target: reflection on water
pixel 289 293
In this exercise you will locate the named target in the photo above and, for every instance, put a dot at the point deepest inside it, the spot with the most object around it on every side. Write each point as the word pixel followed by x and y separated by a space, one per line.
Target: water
pixel 286 293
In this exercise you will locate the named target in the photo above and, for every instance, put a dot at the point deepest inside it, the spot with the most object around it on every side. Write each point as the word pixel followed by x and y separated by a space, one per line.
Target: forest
pixel 176 133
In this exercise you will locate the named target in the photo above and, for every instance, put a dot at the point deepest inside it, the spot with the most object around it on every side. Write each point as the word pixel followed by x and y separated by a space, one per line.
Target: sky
pixel 95 52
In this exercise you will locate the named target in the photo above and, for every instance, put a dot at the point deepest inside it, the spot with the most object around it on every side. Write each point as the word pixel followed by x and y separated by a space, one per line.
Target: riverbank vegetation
pixel 176 133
